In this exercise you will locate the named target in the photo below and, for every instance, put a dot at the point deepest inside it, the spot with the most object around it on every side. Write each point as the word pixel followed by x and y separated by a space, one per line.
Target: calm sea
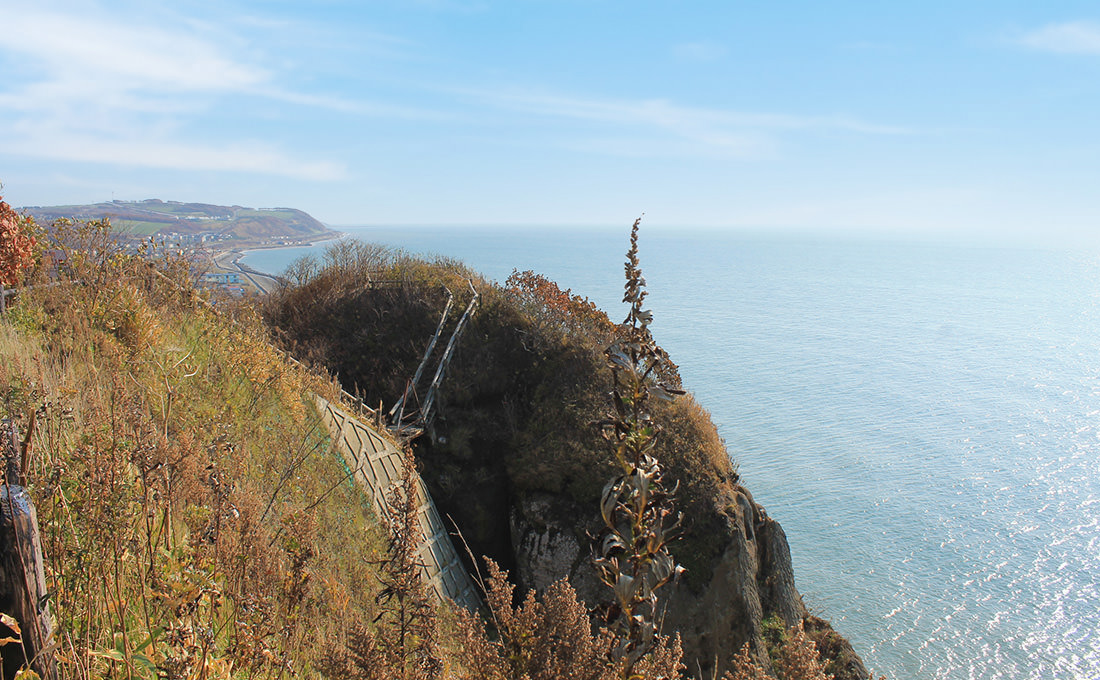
pixel 922 420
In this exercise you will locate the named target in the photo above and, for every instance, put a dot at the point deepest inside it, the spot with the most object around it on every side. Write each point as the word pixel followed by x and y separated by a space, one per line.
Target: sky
pixel 978 118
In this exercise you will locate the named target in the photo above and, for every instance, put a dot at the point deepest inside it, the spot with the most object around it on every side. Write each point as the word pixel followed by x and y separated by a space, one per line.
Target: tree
pixel 16 244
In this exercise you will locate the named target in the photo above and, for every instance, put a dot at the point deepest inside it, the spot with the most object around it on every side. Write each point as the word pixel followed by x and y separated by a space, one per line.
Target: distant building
pixel 222 278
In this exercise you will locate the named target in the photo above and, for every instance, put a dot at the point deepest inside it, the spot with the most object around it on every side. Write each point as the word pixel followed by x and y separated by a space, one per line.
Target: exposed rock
pixel 751 581
pixel 518 463
pixel 775 576
pixel 545 548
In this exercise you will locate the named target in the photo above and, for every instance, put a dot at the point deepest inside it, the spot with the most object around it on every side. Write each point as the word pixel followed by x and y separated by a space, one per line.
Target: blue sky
pixel 975 118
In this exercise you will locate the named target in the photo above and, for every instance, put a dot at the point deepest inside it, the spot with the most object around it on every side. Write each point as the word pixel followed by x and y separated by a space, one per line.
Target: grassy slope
pixel 194 517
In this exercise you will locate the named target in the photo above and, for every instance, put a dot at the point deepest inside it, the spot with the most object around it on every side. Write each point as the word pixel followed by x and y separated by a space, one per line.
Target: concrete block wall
pixel 378 466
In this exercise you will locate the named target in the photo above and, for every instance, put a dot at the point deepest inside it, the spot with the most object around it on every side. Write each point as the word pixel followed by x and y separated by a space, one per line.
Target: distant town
pixel 217 235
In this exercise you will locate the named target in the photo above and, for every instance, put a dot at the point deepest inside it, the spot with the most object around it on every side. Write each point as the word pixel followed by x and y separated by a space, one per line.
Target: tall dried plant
pixel 401 642
pixel 795 657
pixel 639 520
pixel 798 657
pixel 548 637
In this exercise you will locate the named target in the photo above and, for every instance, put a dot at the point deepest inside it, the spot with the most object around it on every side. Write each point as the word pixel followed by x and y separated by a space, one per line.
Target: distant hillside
pixel 154 216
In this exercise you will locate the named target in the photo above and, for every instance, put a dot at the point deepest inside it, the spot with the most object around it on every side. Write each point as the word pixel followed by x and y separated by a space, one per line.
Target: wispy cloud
pixel 1073 37
pixel 746 145
pixel 123 57
pixel 467 6
pixel 664 113
pixel 97 88
pixel 702 131
pixel 252 157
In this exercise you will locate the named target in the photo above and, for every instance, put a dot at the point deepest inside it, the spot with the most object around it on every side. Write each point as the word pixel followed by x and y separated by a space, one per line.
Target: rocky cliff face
pixel 752 580
pixel 514 457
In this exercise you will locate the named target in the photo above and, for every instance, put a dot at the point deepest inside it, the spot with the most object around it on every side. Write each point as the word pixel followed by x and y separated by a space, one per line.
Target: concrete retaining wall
pixel 377 465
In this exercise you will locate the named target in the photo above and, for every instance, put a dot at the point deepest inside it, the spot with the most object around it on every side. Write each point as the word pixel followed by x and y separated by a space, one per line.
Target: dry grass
pixel 194 519
pixel 196 522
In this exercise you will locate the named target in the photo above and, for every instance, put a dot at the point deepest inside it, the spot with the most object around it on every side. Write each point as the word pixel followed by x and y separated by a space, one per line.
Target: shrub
pixel 16 244
pixel 548 638
pixel 557 312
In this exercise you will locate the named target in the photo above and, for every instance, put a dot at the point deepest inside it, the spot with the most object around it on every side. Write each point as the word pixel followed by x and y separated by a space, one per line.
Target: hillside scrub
pixel 515 456
pixel 195 522
pixel 518 410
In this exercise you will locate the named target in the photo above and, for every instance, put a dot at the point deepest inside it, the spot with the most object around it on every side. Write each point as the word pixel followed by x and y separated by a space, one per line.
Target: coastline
pixel 313 240
pixel 228 260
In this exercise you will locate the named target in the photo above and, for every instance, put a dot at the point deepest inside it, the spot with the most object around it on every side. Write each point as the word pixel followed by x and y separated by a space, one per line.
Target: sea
pixel 922 418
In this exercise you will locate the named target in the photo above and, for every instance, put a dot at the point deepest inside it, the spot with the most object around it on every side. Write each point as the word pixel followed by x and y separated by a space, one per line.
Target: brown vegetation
pixel 192 518
pixel 400 643
pixel 517 413
pixel 550 637
pixel 196 523
pixel 16 245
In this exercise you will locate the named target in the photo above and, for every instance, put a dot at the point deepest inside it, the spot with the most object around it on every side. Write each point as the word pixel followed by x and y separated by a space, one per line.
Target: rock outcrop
pixel 515 459
pixel 751 581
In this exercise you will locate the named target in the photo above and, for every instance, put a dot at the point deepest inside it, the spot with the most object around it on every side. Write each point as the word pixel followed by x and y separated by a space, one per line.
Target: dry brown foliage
pixel 547 638
pixel 556 311
pixel 401 642
pixel 744 667
pixel 795 658
pixel 185 492
pixel 16 244
pixel 798 657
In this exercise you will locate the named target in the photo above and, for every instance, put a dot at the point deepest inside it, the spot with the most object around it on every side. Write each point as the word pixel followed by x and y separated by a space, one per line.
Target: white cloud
pixel 119 56
pixel 729 146
pixel 701 131
pixel 663 113
pixel 250 157
pixel 702 51
pixel 89 87
pixel 1074 37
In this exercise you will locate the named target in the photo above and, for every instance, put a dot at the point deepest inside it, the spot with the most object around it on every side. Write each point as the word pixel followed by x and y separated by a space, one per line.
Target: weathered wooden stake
pixel 23 593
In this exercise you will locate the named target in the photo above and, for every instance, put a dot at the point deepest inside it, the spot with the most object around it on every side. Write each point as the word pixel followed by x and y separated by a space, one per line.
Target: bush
pixel 548 638
pixel 17 244
pixel 193 517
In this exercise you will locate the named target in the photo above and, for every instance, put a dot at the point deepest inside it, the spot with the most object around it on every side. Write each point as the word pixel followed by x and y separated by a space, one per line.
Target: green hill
pixel 154 216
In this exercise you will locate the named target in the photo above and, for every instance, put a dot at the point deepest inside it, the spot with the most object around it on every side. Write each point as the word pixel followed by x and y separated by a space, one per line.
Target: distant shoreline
pixel 275 244
pixel 307 241
pixel 229 259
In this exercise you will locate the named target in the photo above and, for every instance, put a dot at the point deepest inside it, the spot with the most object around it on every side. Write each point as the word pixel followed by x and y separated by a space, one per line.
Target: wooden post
pixel 399 407
pixel 23 594
pixel 3 299
pixel 426 410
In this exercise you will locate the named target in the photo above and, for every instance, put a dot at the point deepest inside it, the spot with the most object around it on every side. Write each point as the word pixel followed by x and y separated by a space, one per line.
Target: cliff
pixel 513 456
pixel 171 446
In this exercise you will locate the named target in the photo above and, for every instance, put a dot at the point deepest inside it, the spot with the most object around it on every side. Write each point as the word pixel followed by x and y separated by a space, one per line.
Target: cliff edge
pixel 512 454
